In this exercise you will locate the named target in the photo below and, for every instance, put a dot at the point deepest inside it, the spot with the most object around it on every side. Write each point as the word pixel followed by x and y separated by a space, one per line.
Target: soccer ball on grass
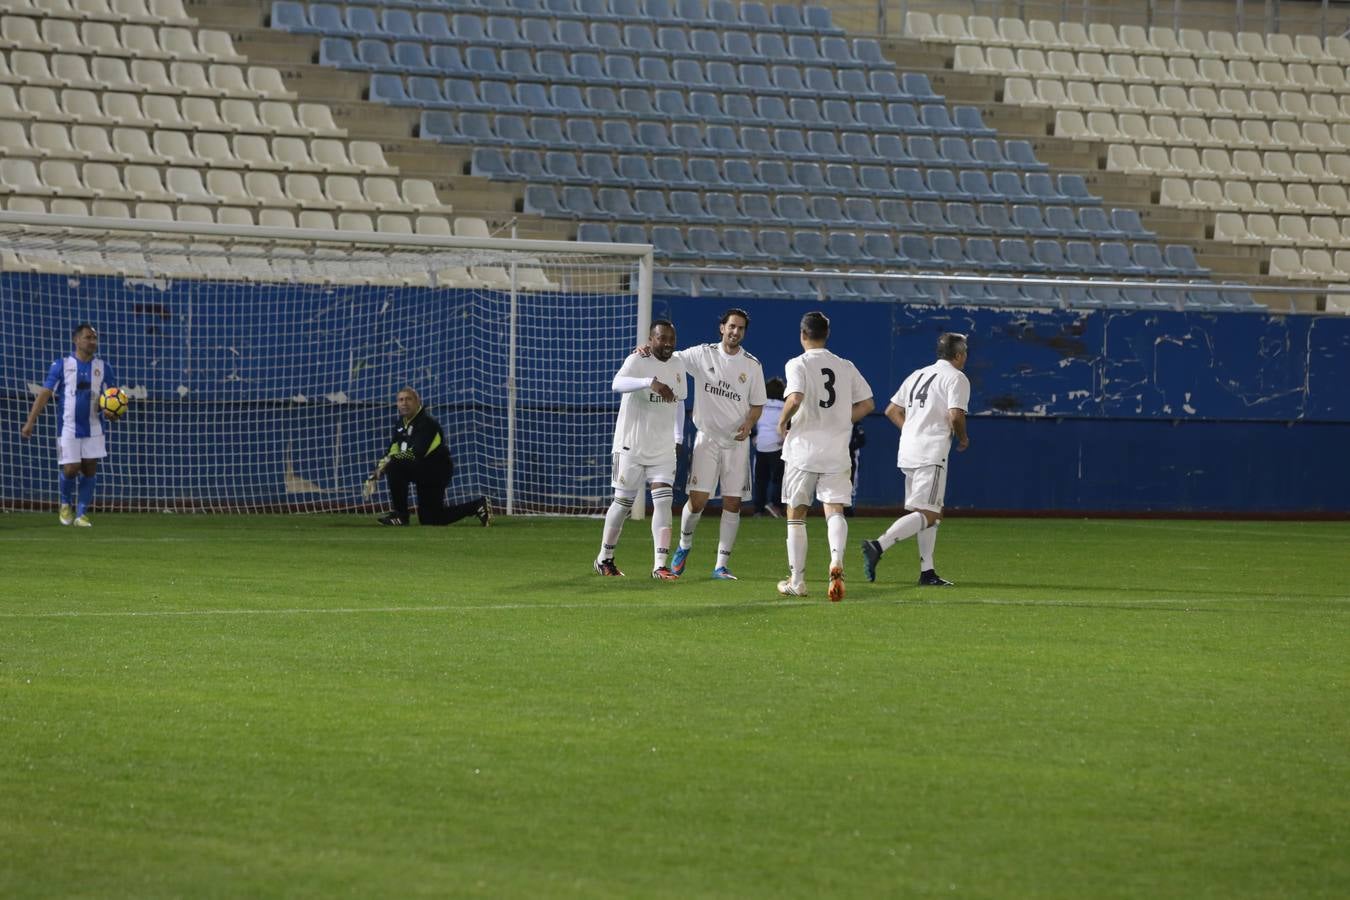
pixel 114 402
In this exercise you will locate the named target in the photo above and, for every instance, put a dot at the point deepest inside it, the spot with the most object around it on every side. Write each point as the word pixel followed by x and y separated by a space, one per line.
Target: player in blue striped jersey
pixel 76 381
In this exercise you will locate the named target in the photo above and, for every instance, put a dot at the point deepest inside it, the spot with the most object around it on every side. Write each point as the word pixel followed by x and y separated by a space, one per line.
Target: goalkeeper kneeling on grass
pixel 418 455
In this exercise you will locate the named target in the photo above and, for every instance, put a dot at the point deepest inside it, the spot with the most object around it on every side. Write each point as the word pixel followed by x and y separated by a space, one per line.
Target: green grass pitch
pixel 319 707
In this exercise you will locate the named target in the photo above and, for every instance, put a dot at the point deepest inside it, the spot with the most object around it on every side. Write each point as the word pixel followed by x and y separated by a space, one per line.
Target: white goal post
pixel 263 362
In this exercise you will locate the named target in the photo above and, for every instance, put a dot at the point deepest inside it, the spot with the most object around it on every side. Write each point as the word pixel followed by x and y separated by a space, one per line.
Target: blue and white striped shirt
pixel 77 386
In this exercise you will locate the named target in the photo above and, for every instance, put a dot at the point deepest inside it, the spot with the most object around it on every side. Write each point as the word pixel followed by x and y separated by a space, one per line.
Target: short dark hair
pixel 773 388
pixel 81 327
pixel 734 311
pixel 816 326
pixel 659 322
pixel 951 345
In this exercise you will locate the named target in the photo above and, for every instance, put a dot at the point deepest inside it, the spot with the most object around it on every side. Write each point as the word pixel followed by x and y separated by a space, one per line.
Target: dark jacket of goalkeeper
pixel 419 456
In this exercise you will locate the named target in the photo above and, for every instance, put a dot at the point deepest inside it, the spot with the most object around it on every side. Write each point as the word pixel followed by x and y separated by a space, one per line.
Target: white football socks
pixel 837 528
pixel 796 551
pixel 926 540
pixel 614 519
pixel 726 537
pixel 688 522
pixel 904 527
pixel 661 520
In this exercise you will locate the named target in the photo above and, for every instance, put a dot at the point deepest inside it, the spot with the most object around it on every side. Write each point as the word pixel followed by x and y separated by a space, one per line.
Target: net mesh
pixel 263 372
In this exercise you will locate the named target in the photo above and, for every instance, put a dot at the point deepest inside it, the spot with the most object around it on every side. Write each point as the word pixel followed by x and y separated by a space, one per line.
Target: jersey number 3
pixel 829 388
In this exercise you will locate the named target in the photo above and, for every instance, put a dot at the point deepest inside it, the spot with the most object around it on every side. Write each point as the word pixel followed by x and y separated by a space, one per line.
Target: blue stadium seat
pixel 876 180
pixel 805 111
pixel 880 248
pixel 838 52
pixel 631 234
pixel 1074 187
pixel 490 162
pixel 891 147
pixel 963 219
pixel 885 84
pixel 1115 255
pixel 918 252
pixel 1082 255
pixel 793 210
pixel 411 57
pixel 1126 223
pixel 842 179
pixel 989 154
pixel 514 132
pixel 390 89
pixel 853 84
pixel 956 152
pixel 1090 222
pixel 688 73
pixel 1182 259
pixel 567 99
pixel 983 254
pixel 1017 255
pixel 538 33
pixel 917 85
pixel 788 80
pixel 823 145
pixel 639 103
pixel 742 176
pixel 439 125
pixel 902 116
pixel 996 218
pixel 288 16
pixel 688 206
pixel 872 116
pixel 503 31
pixel 596 233
pixel 811 245
pixel 446 59
pixel 910 183
pixel 598 168
pixel 616 203
pixel 868 52
pixel 433 27
pixel 399 23
pixel 579 132
pixel 1027 219
pixel 970 122
pixel 951 253
pixel 582 133
pixel 929 215
pixel 1150 257
pixel 653 205
pixel 897 213
pixel 456 93
pixel 670 243
pixel 829 211
pixel 790 142
pixel 688 138
pixel 1008 185
pixel 774 174
pixel 708 244
pixel 617 134
pixel 1050 254
pixel 937 119
pixel 364 21
pixel 757 142
pixel 775 244
pixel 654 137
pixel 666 171
pixel 1042 295
pixel 637 171
pixel 1022 155
pixel 528 164
pixel 705 106
pixel 758 208
pixel 723 142
pixel 1064 224
pixel 809 177
pixel 857 146
pixel 772 47
pixel 820 82
pixel 482 62
pixel 673 41
pixel 338 52
pixel 707 172
pixel 967 293
pixel 862 211
pixel 468 30
pixel 844 245
pixel 943 183
pixel 542 200
pixel 773 111
pixel 519 64
pixel 603 101
pixel 556 67
pixel 723 208
pixel 581 203
pixel 923 150
pixel 975 184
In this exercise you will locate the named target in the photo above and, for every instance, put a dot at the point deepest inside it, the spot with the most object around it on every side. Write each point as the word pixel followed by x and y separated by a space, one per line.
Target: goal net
pixel 263 363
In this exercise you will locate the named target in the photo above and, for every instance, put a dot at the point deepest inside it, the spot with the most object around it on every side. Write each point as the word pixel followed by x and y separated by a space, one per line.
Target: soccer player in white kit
pixel 77 380
pixel 649 427
pixel 728 399
pixel 825 396
pixel 929 408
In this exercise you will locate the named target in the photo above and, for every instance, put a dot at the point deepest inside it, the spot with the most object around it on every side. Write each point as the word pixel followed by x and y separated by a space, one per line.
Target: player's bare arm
pixel 663 390
pixel 896 415
pixel 863 408
pixel 39 404
pixel 748 426
pixel 791 403
pixel 958 420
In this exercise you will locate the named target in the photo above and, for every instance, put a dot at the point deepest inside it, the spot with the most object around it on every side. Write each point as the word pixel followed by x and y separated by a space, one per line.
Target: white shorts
pixel 925 487
pixel 72 450
pixel 631 475
pixel 713 465
pixel 803 488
